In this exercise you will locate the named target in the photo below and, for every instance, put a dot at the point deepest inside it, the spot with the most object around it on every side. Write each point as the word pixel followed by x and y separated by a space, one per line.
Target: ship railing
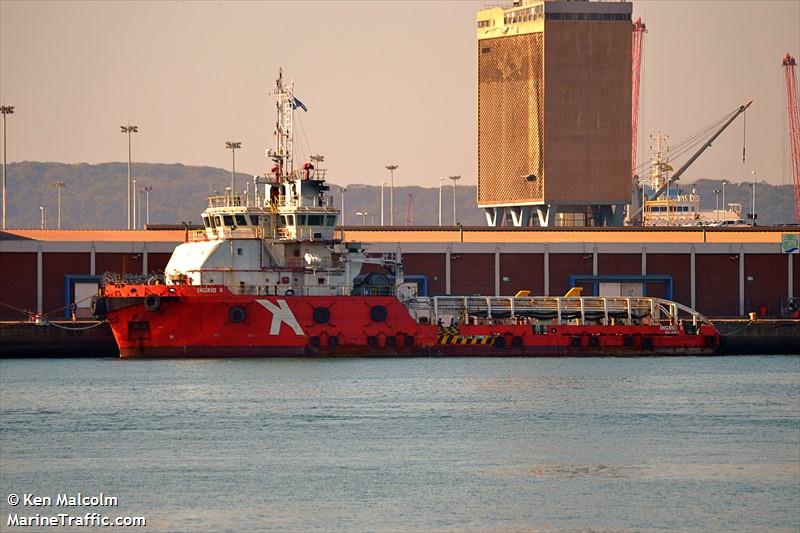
pixel 554 309
pixel 284 290
pixel 197 235
pixel 225 200
pixel 248 232
pixel 113 278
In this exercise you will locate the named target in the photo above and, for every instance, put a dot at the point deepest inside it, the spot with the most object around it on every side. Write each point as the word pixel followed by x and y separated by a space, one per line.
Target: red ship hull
pixel 210 321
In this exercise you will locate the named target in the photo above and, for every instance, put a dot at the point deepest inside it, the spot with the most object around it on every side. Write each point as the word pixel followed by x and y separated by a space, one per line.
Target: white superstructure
pixel 279 240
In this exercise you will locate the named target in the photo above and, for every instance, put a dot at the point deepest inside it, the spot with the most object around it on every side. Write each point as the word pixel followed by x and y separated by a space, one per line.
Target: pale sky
pixel 384 82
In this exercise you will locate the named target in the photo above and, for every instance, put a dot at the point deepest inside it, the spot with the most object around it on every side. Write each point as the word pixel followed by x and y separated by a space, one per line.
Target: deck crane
pixel 794 127
pixel 675 177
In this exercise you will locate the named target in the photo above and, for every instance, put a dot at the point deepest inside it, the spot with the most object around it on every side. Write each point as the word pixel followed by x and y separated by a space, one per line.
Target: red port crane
pixel 794 127
pixel 639 30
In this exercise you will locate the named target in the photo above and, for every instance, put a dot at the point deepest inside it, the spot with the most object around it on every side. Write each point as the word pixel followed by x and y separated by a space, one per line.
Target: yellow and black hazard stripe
pixel 466 339
pixel 449 330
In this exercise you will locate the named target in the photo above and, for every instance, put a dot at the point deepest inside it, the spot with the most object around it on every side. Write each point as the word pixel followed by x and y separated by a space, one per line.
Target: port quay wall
pixel 719 271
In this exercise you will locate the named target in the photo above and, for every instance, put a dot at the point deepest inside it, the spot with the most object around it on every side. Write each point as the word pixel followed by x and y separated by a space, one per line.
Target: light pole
pixel 455 179
pixel 147 203
pixel 391 169
pixel 141 206
pixel 441 180
pixel 716 193
pixel 233 146
pixel 382 202
pixel 343 211
pixel 59 185
pixel 753 211
pixel 5 110
pixel 724 207
pixel 134 204
pixel 129 129
pixel 363 215
pixel 43 214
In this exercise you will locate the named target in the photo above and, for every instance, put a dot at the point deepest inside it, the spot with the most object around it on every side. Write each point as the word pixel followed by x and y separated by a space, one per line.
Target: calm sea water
pixel 666 444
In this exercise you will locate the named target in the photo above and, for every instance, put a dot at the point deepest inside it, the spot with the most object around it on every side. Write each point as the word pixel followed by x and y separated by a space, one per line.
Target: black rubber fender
pixel 378 313
pixel 152 302
pixel 647 343
pixel 499 342
pixel 333 341
pixel 372 340
pixel 594 341
pixel 516 341
pixel 391 340
pixel 99 307
pixel 627 341
pixel 575 341
pixel 321 315
pixel 314 341
pixel 409 340
pixel 237 314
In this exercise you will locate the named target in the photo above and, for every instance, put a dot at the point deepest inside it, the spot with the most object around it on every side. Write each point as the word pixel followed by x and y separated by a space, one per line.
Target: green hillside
pixel 94 196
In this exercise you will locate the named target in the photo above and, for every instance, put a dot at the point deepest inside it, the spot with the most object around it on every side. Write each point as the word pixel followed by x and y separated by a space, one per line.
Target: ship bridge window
pixel 218 221
pixel 287 220
pixel 228 219
pixel 330 220
pixel 206 222
pixel 254 220
pixel 301 220
pixel 315 220
pixel 241 220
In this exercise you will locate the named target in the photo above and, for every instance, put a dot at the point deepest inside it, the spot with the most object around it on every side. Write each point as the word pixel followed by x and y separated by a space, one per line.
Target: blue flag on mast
pixel 297 103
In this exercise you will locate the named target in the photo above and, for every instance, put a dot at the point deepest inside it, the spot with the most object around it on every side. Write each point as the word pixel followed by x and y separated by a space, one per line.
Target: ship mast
pixel 284 128
pixel 659 165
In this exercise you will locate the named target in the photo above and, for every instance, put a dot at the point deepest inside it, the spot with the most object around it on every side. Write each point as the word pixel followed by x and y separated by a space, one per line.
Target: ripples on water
pixel 667 444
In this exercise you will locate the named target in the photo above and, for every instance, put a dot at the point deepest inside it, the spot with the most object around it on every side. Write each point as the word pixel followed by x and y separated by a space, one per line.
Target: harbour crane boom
pixel 675 177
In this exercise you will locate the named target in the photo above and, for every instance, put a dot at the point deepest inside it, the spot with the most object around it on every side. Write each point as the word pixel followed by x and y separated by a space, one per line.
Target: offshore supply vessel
pixel 266 277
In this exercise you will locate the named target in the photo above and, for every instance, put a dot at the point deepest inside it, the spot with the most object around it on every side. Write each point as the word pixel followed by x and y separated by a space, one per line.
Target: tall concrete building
pixel 554 112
